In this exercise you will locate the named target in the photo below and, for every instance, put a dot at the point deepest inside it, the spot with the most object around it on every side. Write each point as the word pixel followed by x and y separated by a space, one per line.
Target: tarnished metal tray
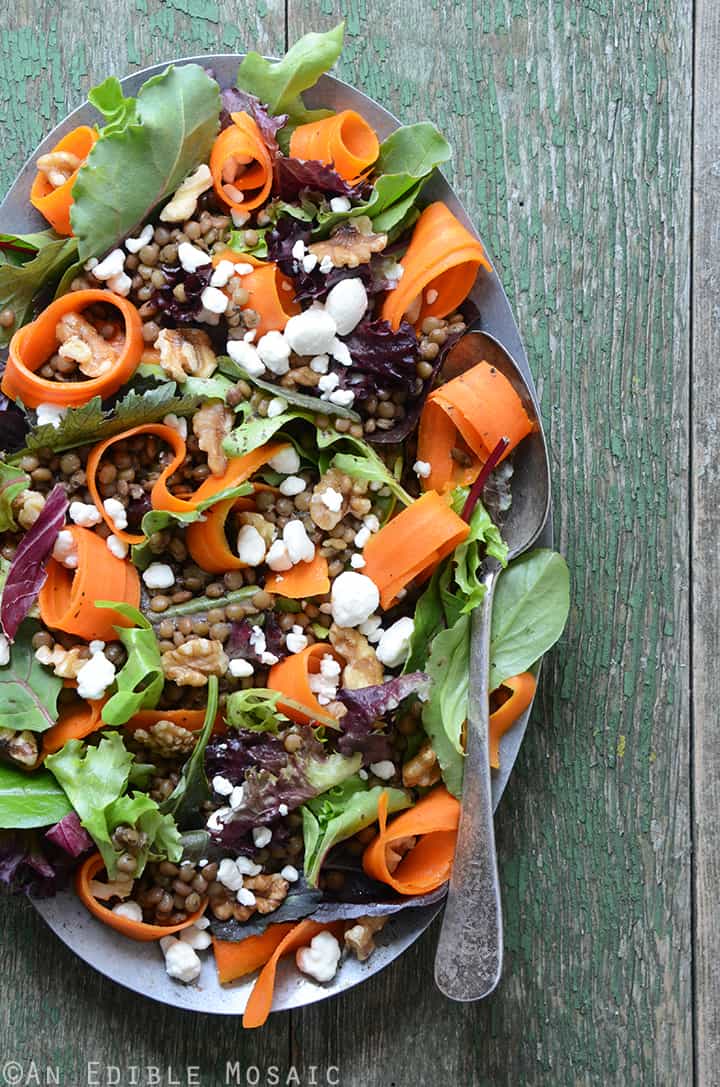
pixel 140 966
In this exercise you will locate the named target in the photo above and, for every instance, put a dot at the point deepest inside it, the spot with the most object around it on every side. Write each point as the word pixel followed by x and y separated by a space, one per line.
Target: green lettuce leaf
pixel 141 812
pixel 236 242
pixel 118 111
pixel 140 681
pixel 30 800
pixel 149 148
pixel 185 801
pixel 295 399
pixel 28 691
pixel 201 604
pixel 12 483
pixel 257 709
pixel 22 280
pixel 530 610
pixel 280 84
pixel 445 712
pixel 339 814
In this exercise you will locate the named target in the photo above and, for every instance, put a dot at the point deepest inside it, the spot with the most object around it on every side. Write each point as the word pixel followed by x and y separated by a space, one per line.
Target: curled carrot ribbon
pixel 344 141
pixel 292 678
pixel 55 201
pixel 271 294
pixel 240 161
pixel 521 692
pixel 433 821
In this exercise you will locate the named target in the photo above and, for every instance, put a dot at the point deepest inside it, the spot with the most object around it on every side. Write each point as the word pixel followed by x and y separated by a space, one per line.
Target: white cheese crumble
pixel 229 875
pixel 326 265
pixel 191 258
pixel 357 562
pixel 65 549
pixel 95 677
pixel 277 557
pixel 394 645
pixel 353 598
pixel 224 271
pixel 241 669
pixel 362 536
pixel 214 300
pixel 116 546
pixel 311 332
pixel 4 650
pixel 158 576
pixel 286 462
pixel 113 265
pixel 131 910
pixel 341 353
pixel 342 397
pixel 51 414
pixel 194 936
pixel 299 546
pixel 274 352
pixel 328 382
pixel 332 499
pixel 292 485
pixel 250 546
pixel 262 836
pixel 246 355
pixel 237 797
pixel 383 770
pixel 421 468
pixel 290 873
pixel 309 261
pixel 258 643
pixel 346 303
pixel 245 897
pixel 134 245
pixel 120 284
pixel 319 960
pixel 221 785
pixel 248 867
pixel 296 640
pixel 116 513
pixel 319 364
pixel 340 204
pixel 276 407
pixel 181 961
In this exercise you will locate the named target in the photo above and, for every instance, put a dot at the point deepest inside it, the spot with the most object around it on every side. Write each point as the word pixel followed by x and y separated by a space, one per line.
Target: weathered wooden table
pixel 572 123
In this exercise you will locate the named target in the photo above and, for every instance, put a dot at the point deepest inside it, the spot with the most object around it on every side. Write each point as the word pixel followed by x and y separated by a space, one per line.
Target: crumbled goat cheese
pixel 326 265
pixel 362 536
pixel 371 522
pixel 95 677
pixel 332 499
pixel 245 897
pixel 339 204
pixel 298 250
pixel 354 597
pixel 250 546
pixel 328 382
pixel 116 512
pixel 383 770
pixel 341 353
pixel 421 468
pixel 134 245
pixel 85 514
pixel 221 785
pixel 113 265
pixel 274 352
pixel 239 218
pixel 191 258
pixel 224 271
pixel 277 557
pixel 214 300
pixel 65 549
pixel 324 684
pixel 295 640
pixel 177 422
pixel 311 332
pixel 319 365
pixel 237 797
pixel 120 284
pixel 4 650
pixel 394 645
pixel 262 836
pixel 286 462
pixel 342 397
pixel 371 628
pixel 246 355
pixel 283 809
pixel 240 668
pixel 276 407
pixel 247 867
pixel 292 485
pixel 357 562
pixel 195 937
pixel 116 546
pixel 258 643
pixel 290 873
pixel 229 875
pixel 51 414
pixel 217 819
pixel 319 960
pixel 346 303
pixel 131 910
pixel 299 545
pixel 159 576
pixel 181 961
pixel 309 261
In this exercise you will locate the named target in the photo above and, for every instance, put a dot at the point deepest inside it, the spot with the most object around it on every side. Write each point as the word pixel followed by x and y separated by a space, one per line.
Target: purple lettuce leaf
pixel 14 425
pixel 234 100
pixel 169 307
pixel 368 704
pixel 313 286
pixel 27 572
pixel 233 754
pixel 239 646
pixel 382 357
pixel 32 866
pixel 70 835
pixel 293 176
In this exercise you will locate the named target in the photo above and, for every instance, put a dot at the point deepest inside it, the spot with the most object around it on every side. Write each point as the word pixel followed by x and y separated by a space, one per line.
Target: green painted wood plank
pixel 571 128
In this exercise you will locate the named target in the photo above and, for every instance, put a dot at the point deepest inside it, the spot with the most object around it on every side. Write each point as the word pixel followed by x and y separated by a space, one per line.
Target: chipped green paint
pixel 570 121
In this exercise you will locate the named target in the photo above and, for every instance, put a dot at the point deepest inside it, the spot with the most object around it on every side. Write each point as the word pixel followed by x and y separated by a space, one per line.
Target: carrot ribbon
pixel 74 723
pixel 237 958
pixel 412 544
pixel 292 678
pixel 135 930
pixel 239 158
pixel 474 411
pixel 54 202
pixel 67 599
pixel 439 268
pixel 344 141
pixel 301 581
pixel 272 294
pixel 33 344
pixel 521 691
pixel 433 821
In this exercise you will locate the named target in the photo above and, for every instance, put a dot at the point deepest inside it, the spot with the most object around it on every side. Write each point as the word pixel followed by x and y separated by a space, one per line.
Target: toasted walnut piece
pixel 352 244
pixel 27 507
pixel 166 739
pixel 422 770
pixel 270 891
pixel 359 938
pixel 192 662
pixel 19 747
pixel 322 515
pixel 362 668
pixel 300 375
pixel 186 354
pixel 395 852
pixel 58 166
pixel 118 888
pixel 82 342
pixel 65 663
pixel 259 523
pixel 211 425
pixel 184 202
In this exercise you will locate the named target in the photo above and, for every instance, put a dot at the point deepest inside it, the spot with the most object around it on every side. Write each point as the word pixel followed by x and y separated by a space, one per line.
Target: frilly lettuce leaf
pixel 148 148
pixel 12 483
pixel 36 261
pixel 139 683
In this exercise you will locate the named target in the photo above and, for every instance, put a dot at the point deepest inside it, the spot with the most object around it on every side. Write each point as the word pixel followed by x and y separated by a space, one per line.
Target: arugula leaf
pixel 140 681
pixel 530 610
pixel 12 483
pixel 236 242
pixel 30 800
pixel 370 467
pixel 279 84
pixel 28 691
pixel 90 423
pixel 108 99
pixel 445 712
pixel 255 431
pixel 339 814
pixel 185 801
pixel 257 709
pixel 299 400
pixel 200 604
pixel 21 282
pixel 150 146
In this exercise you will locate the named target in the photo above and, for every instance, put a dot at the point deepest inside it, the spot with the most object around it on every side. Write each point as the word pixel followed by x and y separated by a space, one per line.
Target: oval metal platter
pixel 139 967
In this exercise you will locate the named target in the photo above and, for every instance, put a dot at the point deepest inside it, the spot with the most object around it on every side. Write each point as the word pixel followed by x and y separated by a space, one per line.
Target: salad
pixel 243 520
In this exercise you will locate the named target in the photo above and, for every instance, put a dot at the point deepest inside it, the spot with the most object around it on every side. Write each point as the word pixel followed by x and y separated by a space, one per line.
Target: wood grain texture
pixel 571 122
pixel 571 128
pixel 706 558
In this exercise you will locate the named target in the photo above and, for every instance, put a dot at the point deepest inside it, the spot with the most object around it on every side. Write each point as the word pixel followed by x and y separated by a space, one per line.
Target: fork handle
pixel 469 954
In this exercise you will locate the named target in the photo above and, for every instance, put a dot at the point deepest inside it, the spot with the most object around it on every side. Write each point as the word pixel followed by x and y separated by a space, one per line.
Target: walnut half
pixel 359 938
pixel 352 244
pixel 362 669
pixel 186 354
pixel 192 662
pixel 270 892
pixel 82 343
pixel 211 425
pixel 422 771
pixel 166 739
